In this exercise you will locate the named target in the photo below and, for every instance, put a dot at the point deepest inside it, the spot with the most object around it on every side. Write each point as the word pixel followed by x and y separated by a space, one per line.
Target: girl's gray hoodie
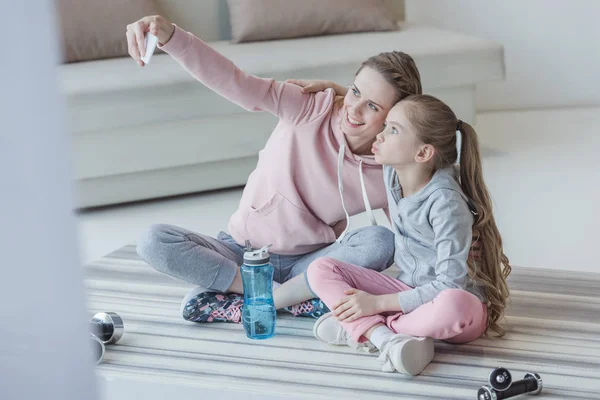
pixel 433 231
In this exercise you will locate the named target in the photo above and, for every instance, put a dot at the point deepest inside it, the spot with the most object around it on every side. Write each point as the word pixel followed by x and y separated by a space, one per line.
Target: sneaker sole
pixel 416 354
pixel 318 322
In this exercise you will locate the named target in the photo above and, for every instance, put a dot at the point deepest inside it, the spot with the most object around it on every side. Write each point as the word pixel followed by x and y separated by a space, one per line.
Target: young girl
pixel 437 198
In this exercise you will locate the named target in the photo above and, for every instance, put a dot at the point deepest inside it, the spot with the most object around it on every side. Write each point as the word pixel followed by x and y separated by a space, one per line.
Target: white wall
pixel 552 47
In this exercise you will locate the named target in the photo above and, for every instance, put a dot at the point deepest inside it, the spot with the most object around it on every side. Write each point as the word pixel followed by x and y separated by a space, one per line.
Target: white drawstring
pixel 341 190
pixel 365 197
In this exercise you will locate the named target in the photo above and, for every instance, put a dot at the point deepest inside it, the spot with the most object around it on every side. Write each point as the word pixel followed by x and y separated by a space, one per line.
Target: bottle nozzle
pixel 265 249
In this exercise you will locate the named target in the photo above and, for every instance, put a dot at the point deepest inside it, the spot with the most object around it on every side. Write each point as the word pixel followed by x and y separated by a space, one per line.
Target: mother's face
pixel 366 104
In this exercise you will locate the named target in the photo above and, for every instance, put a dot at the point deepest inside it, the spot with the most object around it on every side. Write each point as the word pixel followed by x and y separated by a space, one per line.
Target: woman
pixel 315 171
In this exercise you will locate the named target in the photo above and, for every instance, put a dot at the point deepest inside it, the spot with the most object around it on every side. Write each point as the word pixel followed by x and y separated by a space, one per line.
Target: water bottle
pixel 258 312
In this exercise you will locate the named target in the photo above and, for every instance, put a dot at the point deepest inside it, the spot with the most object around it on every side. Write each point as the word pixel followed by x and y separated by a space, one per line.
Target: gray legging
pixel 212 263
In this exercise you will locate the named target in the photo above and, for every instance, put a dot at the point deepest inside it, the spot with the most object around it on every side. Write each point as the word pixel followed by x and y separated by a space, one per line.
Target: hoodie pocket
pixel 285 225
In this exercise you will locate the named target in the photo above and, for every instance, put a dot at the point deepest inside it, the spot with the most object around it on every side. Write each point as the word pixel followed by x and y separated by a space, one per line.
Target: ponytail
pixel 493 267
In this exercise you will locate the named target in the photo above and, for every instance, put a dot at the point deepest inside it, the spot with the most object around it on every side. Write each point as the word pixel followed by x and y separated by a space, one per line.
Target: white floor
pixel 540 166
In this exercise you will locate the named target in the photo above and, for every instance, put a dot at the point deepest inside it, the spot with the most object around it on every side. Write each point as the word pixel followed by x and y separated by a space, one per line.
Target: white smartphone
pixel 151 42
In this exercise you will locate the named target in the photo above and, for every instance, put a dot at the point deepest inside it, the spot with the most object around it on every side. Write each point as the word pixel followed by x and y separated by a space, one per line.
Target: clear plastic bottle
pixel 258 313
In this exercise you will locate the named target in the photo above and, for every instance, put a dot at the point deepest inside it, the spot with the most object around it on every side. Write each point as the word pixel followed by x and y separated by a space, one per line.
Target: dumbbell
pixel 97 348
pixel 500 379
pixel 105 328
pixel 502 386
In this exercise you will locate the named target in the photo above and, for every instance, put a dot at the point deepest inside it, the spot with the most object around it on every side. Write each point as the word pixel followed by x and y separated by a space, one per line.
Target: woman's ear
pixel 425 153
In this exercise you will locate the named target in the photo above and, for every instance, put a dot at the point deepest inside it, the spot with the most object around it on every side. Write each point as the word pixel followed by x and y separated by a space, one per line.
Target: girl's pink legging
pixel 455 315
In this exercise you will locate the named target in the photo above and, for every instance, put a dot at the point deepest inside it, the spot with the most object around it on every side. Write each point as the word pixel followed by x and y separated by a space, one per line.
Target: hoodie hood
pixel 442 179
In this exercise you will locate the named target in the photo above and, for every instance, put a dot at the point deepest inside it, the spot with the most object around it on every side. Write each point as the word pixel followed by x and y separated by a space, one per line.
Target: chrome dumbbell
pixel 105 328
pixel 500 379
pixel 502 386
pixel 98 348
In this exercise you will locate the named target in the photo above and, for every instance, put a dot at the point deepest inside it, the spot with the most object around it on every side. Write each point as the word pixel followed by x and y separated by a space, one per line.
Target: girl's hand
pixel 355 305
pixel 317 85
pixel 136 32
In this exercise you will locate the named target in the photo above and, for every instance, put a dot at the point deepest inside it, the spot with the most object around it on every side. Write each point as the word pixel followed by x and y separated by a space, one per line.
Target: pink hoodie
pixel 292 198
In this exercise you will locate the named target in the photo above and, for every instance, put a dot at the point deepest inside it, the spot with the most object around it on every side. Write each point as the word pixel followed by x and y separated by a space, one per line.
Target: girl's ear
pixel 425 153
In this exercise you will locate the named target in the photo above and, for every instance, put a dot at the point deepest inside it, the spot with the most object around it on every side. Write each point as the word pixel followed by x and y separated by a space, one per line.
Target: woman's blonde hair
pixel 436 124
pixel 398 69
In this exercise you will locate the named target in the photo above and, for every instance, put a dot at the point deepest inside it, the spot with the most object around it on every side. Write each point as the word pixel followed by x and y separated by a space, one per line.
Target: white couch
pixel 152 132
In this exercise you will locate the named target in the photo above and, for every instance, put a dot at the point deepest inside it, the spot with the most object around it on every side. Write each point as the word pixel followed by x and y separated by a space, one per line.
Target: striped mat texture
pixel 553 325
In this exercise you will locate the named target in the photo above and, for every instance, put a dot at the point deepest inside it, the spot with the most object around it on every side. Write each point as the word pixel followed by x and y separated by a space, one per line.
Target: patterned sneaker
pixel 202 306
pixel 313 308
pixel 406 354
pixel 329 330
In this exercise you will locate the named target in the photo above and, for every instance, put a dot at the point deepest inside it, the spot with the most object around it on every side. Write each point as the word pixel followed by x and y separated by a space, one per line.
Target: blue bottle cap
pixel 257 257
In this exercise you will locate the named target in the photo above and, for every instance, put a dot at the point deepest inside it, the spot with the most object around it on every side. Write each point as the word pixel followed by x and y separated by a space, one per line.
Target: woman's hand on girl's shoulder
pixel 160 27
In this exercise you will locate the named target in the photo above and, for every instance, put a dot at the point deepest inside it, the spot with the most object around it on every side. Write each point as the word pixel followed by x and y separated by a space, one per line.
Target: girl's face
pixel 366 104
pixel 397 145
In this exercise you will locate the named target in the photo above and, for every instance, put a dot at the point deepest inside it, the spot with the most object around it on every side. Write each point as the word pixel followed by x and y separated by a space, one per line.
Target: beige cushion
pixel 95 29
pixel 254 20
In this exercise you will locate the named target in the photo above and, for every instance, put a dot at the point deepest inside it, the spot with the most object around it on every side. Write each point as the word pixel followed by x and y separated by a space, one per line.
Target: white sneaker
pixel 406 354
pixel 329 330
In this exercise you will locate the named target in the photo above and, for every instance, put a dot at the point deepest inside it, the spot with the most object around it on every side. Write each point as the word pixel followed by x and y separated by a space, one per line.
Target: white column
pixel 44 345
